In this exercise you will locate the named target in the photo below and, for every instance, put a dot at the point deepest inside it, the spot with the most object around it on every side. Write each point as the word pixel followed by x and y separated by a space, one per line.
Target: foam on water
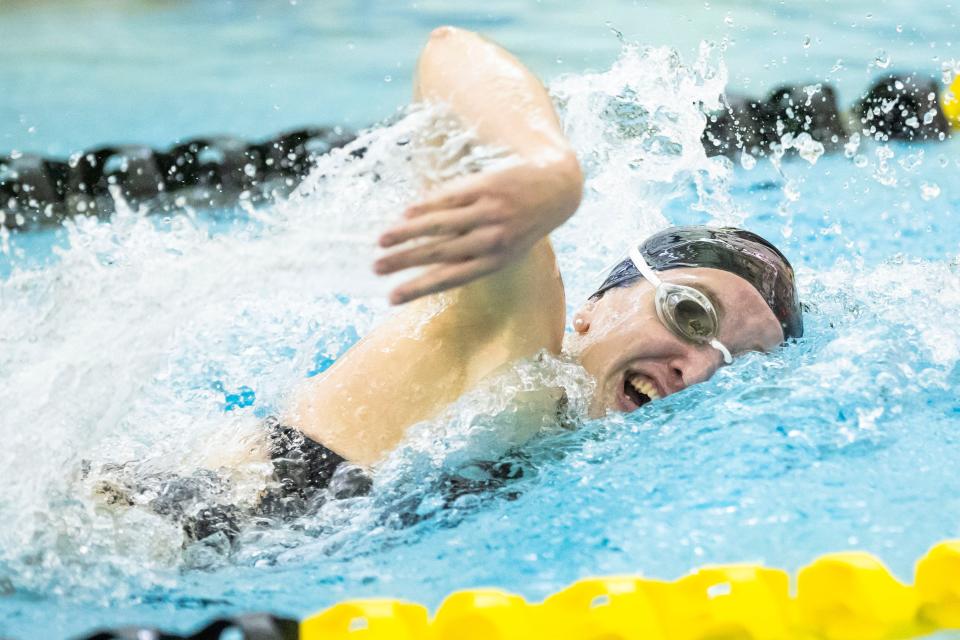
pixel 165 341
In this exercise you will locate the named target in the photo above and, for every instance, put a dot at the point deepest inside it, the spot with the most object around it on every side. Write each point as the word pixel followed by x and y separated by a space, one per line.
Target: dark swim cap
pixel 740 252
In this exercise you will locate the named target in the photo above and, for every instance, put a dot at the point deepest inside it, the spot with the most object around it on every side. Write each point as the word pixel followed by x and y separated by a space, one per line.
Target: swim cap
pixel 740 252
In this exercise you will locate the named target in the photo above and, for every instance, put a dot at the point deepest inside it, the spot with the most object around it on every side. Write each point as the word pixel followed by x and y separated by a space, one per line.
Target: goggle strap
pixel 719 346
pixel 645 270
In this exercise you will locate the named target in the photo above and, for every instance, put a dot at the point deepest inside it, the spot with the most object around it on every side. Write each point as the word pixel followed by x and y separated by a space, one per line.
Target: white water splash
pixel 128 347
pixel 637 129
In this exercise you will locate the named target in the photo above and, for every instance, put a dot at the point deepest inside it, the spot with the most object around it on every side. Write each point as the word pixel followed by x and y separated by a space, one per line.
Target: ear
pixel 582 318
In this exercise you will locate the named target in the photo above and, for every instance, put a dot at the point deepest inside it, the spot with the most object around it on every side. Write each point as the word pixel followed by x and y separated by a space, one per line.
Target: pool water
pixel 162 339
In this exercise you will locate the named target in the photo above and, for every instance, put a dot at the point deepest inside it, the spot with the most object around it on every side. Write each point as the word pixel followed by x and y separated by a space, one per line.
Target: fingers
pixel 444 277
pixel 437 223
pixel 458 193
pixel 450 249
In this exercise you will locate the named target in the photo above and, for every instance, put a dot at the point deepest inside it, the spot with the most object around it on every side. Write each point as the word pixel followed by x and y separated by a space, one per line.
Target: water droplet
pixel 806 42
pixel 899 28
pixel 882 59
pixel 747 161
pixel 728 20
pixel 388 78
pixel 929 190
pixel 616 32
pixel 791 191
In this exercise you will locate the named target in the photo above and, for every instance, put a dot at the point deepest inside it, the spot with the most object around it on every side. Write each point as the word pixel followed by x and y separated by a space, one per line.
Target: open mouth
pixel 639 389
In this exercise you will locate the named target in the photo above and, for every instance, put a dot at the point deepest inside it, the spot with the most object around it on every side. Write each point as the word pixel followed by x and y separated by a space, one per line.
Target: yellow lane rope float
pixel 950 103
pixel 843 596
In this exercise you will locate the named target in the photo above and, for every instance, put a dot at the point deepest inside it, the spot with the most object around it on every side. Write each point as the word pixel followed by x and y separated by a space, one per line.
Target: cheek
pixel 590 353
pixel 631 338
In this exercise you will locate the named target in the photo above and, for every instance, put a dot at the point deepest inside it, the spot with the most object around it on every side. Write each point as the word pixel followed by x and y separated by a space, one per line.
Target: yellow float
pixel 950 103
pixel 842 596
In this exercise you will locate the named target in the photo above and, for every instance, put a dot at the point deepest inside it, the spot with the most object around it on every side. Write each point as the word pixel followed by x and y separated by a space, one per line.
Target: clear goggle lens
pixel 685 311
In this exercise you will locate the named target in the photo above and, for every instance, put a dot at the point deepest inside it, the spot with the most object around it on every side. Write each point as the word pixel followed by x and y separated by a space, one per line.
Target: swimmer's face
pixel 634 358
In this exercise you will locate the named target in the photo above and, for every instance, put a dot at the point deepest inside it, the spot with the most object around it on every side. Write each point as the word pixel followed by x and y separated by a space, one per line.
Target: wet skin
pixel 483 240
pixel 619 338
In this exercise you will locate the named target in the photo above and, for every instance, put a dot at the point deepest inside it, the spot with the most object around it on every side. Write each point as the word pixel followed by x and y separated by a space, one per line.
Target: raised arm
pixel 478 224
pixel 486 231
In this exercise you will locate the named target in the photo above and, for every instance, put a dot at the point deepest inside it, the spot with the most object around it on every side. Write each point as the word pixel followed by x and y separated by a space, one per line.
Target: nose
pixel 696 365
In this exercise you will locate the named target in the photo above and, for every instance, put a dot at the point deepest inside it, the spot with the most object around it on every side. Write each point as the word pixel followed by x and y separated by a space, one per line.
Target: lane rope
pixel 201 172
pixel 849 595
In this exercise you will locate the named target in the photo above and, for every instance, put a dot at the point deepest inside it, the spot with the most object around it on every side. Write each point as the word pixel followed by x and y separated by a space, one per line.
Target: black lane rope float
pixel 200 172
pixel 216 171
pixel 905 107
pixel 254 626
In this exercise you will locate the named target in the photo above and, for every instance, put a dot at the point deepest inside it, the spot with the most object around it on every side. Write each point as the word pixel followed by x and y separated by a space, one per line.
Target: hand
pixel 477 224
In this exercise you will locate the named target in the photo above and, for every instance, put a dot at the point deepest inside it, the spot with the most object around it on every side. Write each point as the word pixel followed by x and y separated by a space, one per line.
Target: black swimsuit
pixel 305 475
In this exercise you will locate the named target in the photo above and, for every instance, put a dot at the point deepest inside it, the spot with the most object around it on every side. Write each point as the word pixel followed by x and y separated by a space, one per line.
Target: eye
pixel 693 319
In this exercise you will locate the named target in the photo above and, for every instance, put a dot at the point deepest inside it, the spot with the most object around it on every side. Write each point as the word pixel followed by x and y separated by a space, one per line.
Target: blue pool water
pixel 163 339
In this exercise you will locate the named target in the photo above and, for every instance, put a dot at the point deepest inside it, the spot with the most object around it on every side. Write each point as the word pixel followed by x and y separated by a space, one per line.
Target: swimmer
pixel 681 304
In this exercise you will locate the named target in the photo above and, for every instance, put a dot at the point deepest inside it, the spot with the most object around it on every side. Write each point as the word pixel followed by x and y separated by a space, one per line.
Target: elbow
pixel 443 33
pixel 443 41
pixel 445 36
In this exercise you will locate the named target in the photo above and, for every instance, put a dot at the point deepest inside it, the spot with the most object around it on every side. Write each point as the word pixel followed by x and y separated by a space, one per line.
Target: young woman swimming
pixel 483 239
pixel 682 304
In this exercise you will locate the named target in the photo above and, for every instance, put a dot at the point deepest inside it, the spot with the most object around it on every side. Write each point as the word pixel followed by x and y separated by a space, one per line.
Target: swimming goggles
pixel 687 312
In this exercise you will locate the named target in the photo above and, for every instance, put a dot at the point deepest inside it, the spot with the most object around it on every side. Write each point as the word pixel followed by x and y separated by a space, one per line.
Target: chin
pixel 599 406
